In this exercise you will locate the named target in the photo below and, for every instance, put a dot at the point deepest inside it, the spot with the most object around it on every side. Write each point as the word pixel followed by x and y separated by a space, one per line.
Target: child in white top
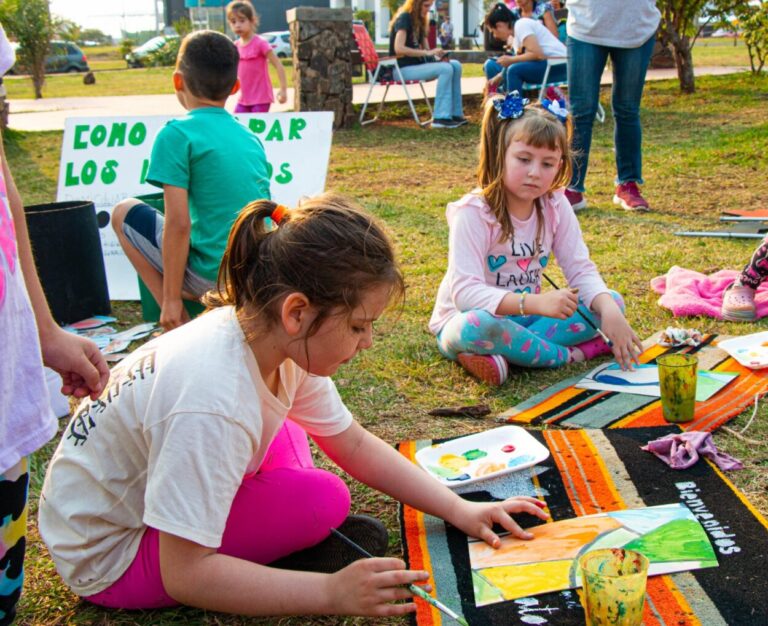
pixel 162 492
pixel 256 93
pixel 490 309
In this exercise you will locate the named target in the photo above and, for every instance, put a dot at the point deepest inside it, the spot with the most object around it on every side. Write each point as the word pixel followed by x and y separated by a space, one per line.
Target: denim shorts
pixel 143 227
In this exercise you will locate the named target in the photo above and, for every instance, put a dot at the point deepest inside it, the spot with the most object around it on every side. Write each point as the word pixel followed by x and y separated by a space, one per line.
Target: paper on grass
pixel 669 535
pixel 644 380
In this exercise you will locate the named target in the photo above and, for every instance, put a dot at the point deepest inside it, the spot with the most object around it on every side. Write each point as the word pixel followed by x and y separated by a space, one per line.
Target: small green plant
pixel 367 18
pixel 126 45
pixel 166 55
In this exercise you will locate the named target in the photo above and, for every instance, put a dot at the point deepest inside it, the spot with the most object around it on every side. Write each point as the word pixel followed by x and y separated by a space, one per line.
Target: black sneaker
pixel 332 554
pixel 444 123
pixel 460 120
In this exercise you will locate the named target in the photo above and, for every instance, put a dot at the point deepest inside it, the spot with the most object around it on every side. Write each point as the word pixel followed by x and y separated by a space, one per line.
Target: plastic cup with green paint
pixel 677 379
pixel 614 586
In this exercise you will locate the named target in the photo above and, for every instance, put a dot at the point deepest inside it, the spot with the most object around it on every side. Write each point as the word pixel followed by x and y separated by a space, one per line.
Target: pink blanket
pixel 687 293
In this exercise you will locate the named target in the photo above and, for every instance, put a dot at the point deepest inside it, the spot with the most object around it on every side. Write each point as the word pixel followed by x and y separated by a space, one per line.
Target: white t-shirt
pixel 184 419
pixel 550 45
pixel 613 23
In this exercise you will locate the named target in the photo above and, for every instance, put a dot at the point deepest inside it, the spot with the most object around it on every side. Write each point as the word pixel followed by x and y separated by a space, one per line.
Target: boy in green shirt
pixel 209 167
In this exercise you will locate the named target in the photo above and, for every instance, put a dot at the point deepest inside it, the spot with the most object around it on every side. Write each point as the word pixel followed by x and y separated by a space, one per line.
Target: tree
pixel 30 22
pixel 753 19
pixel 679 27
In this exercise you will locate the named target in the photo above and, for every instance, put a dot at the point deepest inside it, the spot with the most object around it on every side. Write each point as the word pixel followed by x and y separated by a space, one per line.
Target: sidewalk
pixel 50 113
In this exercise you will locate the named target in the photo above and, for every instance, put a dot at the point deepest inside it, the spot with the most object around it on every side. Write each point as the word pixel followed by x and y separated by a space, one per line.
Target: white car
pixel 280 42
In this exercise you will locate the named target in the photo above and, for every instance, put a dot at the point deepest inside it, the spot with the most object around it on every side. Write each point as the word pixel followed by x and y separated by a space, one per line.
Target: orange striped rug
pixel 565 405
pixel 591 471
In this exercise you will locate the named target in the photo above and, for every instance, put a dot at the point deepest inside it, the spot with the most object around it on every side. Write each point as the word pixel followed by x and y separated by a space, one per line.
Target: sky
pixel 110 16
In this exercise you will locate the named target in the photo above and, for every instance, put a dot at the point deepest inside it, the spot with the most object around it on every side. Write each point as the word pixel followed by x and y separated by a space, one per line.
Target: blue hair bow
pixel 556 107
pixel 511 106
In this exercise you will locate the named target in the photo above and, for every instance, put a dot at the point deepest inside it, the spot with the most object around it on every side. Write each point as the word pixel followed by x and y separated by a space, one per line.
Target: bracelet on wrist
pixel 522 303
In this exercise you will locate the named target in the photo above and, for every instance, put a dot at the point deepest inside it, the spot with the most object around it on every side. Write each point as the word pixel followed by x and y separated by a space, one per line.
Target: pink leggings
pixel 252 108
pixel 288 505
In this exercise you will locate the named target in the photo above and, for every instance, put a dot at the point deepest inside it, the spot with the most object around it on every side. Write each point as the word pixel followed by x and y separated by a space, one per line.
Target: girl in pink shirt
pixel 255 85
pixel 490 308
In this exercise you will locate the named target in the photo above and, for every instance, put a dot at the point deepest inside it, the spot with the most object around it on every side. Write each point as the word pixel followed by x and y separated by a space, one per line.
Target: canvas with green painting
pixel 668 535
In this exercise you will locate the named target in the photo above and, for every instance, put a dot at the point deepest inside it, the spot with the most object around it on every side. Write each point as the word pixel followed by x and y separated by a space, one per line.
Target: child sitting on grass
pixel 162 492
pixel 209 166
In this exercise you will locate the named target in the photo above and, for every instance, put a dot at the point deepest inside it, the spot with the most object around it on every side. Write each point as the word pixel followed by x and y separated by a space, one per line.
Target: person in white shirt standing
pixel 625 32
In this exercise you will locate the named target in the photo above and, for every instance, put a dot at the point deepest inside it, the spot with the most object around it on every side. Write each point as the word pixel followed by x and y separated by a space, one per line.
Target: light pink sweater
pixel 482 270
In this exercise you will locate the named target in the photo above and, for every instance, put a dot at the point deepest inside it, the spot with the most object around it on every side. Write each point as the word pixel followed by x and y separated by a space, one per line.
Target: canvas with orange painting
pixel 669 535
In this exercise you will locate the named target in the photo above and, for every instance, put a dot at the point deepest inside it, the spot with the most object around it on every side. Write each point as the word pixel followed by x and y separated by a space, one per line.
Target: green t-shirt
pixel 222 166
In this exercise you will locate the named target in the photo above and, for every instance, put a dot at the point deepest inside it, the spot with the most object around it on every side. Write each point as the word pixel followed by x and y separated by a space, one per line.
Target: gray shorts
pixel 143 227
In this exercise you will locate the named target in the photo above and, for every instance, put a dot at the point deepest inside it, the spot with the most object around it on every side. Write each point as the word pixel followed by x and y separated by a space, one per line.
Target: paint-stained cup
pixel 614 587
pixel 677 379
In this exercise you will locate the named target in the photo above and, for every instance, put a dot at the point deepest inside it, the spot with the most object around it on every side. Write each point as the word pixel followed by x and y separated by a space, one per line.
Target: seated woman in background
pixel 408 41
pixel 531 44
pixel 538 10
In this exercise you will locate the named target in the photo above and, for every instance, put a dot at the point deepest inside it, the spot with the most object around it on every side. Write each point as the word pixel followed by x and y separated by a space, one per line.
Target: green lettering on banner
pixel 88 175
pixel 70 180
pixel 275 133
pixel 297 125
pixel 144 171
pixel 117 135
pixel 138 134
pixel 98 135
pixel 285 175
pixel 257 125
pixel 79 143
pixel 108 173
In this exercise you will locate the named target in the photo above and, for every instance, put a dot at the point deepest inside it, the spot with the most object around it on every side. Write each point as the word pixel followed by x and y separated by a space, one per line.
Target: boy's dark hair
pixel 499 13
pixel 326 248
pixel 208 63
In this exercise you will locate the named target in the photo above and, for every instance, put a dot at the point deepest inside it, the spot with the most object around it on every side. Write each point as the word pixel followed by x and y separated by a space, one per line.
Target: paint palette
pixel 749 350
pixel 480 456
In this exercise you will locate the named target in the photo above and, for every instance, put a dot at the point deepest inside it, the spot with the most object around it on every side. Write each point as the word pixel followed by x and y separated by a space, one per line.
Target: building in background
pixel 211 14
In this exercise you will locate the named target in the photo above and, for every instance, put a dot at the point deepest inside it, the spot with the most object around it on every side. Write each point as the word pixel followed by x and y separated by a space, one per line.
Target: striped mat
pixel 590 471
pixel 566 406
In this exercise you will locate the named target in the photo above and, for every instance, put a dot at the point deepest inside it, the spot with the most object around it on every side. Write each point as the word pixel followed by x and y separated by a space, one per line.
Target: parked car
pixel 138 56
pixel 280 42
pixel 64 56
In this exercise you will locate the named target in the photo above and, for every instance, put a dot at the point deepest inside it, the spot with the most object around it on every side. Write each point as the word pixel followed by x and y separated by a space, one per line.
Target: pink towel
pixel 680 451
pixel 689 293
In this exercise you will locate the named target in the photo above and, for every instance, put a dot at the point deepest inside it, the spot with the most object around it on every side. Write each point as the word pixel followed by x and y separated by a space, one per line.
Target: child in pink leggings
pixel 190 481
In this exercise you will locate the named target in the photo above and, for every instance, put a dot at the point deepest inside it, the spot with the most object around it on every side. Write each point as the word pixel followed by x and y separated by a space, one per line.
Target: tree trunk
pixel 38 78
pixel 684 62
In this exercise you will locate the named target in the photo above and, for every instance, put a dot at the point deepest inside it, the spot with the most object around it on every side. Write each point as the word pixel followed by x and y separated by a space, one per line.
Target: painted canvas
pixel 669 535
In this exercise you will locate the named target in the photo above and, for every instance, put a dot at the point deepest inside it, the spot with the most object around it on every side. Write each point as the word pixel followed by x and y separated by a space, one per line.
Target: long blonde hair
pixel 414 8
pixel 536 127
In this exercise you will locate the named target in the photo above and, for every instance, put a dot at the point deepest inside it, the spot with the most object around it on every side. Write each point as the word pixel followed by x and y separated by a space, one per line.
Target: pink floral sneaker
pixel 577 199
pixel 629 197
pixel 739 303
pixel 490 368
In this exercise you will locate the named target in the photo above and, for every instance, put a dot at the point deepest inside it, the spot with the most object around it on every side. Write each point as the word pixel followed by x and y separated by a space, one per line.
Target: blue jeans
pixel 448 96
pixel 518 73
pixel 586 62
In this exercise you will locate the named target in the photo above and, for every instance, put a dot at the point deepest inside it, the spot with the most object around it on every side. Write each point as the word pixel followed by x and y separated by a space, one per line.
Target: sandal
pixel 739 304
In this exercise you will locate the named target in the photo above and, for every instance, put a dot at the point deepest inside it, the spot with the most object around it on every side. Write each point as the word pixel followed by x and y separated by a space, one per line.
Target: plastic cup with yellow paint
pixel 677 379
pixel 614 587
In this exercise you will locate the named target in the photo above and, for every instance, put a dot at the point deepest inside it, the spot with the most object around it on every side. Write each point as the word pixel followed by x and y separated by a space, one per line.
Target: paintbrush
pixel 584 317
pixel 414 589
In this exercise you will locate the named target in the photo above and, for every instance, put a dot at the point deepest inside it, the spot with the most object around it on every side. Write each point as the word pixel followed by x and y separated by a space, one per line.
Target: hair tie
pixel 278 213
pixel 510 106
pixel 556 107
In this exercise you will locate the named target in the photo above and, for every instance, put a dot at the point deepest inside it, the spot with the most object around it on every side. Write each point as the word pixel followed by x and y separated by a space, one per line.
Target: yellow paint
pixel 488 468
pixel 453 462
pixel 519 581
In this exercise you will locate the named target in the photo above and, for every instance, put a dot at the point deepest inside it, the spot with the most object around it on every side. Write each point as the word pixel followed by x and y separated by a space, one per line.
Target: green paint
pixel 443 472
pixel 485 592
pixel 679 540
pixel 473 455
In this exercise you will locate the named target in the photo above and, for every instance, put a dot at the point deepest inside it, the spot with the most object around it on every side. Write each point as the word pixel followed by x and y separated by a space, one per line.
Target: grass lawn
pixel 114 79
pixel 703 154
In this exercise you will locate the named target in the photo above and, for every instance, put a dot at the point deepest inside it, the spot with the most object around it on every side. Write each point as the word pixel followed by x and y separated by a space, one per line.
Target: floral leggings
pixel 757 268
pixel 525 341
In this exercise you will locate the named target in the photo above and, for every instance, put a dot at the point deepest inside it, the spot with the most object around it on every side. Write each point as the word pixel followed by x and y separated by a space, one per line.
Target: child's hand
pixel 477 518
pixel 282 96
pixel 626 344
pixel 173 314
pixel 371 586
pixel 560 303
pixel 83 370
